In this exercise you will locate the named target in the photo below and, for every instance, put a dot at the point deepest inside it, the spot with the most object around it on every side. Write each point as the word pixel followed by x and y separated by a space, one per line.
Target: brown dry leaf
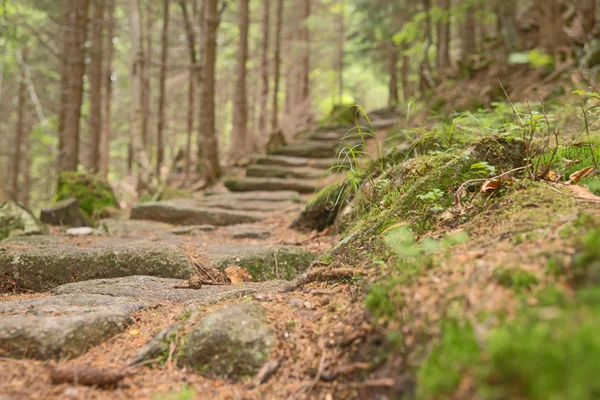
pixel 567 163
pixel 584 193
pixel 582 173
pixel 237 274
pixel 490 185
pixel 580 144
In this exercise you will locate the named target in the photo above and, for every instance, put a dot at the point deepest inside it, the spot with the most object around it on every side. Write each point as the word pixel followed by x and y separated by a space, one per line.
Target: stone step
pixel 263 261
pixel 275 171
pixel 250 184
pixel 40 263
pixel 274 196
pixel 62 327
pixel 260 206
pixel 286 161
pixel 187 213
pixel 309 149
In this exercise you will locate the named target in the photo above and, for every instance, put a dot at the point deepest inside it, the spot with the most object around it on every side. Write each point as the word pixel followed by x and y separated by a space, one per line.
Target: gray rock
pixel 231 343
pixel 66 212
pixel 274 171
pixel 263 206
pixel 249 232
pixel 193 230
pixel 274 196
pixel 182 214
pixel 62 326
pixel 129 228
pixel 285 161
pixel 16 220
pixel 48 263
pixel 251 184
pixel 310 149
pixel 263 261
pixel 82 231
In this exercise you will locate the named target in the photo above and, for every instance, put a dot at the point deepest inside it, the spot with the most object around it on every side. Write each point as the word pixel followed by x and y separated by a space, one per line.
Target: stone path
pixel 97 283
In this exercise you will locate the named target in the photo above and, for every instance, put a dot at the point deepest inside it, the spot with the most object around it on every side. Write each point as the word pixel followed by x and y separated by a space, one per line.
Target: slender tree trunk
pixel 406 90
pixel 210 145
pixel 340 60
pixel 107 83
pixel 147 95
pixel 95 96
pixel 160 151
pixel 73 67
pixel 277 67
pixel 19 129
pixel 239 133
pixel 264 68
pixel 393 98
pixel 587 12
pixel 26 185
pixel 305 37
pixel 469 36
pixel 443 31
pixel 507 16
pixel 138 150
pixel 425 79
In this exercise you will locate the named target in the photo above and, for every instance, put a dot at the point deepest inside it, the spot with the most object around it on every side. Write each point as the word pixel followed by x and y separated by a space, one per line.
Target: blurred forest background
pixel 136 90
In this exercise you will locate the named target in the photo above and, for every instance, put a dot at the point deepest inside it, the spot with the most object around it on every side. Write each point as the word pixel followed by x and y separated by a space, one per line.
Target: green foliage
pixel 535 58
pixel 484 169
pixel 515 278
pixel 185 393
pixel 95 195
pixel 586 261
pixel 449 359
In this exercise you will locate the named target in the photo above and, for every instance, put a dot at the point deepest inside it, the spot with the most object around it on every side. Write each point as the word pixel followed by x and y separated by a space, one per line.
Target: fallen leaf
pixel 237 274
pixel 582 173
pixel 580 144
pixel 134 332
pixel 490 185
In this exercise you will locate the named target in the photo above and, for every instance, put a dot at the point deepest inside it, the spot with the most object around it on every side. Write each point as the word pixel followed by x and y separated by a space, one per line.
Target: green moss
pixel 515 278
pixel 185 393
pixel 586 261
pixel 95 196
pixel 449 359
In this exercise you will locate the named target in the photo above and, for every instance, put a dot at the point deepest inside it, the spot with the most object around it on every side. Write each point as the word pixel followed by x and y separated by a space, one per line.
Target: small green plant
pixel 515 278
pixel 431 196
pixel 185 393
pixel 484 169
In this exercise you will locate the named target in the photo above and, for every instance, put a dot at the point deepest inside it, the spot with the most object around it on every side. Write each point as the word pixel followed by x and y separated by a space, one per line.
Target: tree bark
pixel 210 145
pixel 264 68
pixel 138 150
pixel 239 131
pixel 19 129
pixel 305 37
pixel 469 36
pixel 393 98
pixel 147 34
pixel 73 67
pixel 552 37
pixel 425 78
pixel 107 83
pixel 277 68
pixel 507 16
pixel 160 151
pixel 95 94
pixel 341 42
pixel 443 31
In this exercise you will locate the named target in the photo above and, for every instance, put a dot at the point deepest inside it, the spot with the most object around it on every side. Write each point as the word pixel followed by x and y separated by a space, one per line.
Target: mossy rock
pixel 341 115
pixel 322 210
pixel 231 343
pixel 95 195
pixel 16 220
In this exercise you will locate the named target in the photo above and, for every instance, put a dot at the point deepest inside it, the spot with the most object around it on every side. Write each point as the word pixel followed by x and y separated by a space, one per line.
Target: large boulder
pixel 66 212
pixel 16 220
pixel 44 264
pixel 231 343
pixel 188 214
pixel 62 326
pixel 95 195
pixel 263 261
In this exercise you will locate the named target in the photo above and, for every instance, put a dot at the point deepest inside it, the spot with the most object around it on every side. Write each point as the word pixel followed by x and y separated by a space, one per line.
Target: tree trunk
pixel 425 78
pixel 552 37
pixel 469 36
pixel 19 129
pixel 393 98
pixel 340 60
pixel 406 90
pixel 160 151
pixel 107 83
pixel 507 16
pixel 240 108
pixel 264 69
pixel 138 150
pixel 71 82
pixel 95 94
pixel 277 68
pixel 586 14
pixel 146 76
pixel 443 31
pixel 305 37
pixel 210 145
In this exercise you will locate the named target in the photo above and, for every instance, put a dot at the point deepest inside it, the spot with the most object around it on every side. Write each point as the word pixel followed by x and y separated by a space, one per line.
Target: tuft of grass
pixel 185 393
pixel 515 278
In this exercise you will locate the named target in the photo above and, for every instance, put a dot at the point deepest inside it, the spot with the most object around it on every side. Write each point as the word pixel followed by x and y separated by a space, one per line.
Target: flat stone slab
pixel 275 171
pixel 185 213
pixel 287 161
pixel 263 261
pixel 309 149
pixel 257 195
pixel 151 288
pixel 251 184
pixel 249 232
pixel 130 228
pixel 62 326
pixel 49 262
